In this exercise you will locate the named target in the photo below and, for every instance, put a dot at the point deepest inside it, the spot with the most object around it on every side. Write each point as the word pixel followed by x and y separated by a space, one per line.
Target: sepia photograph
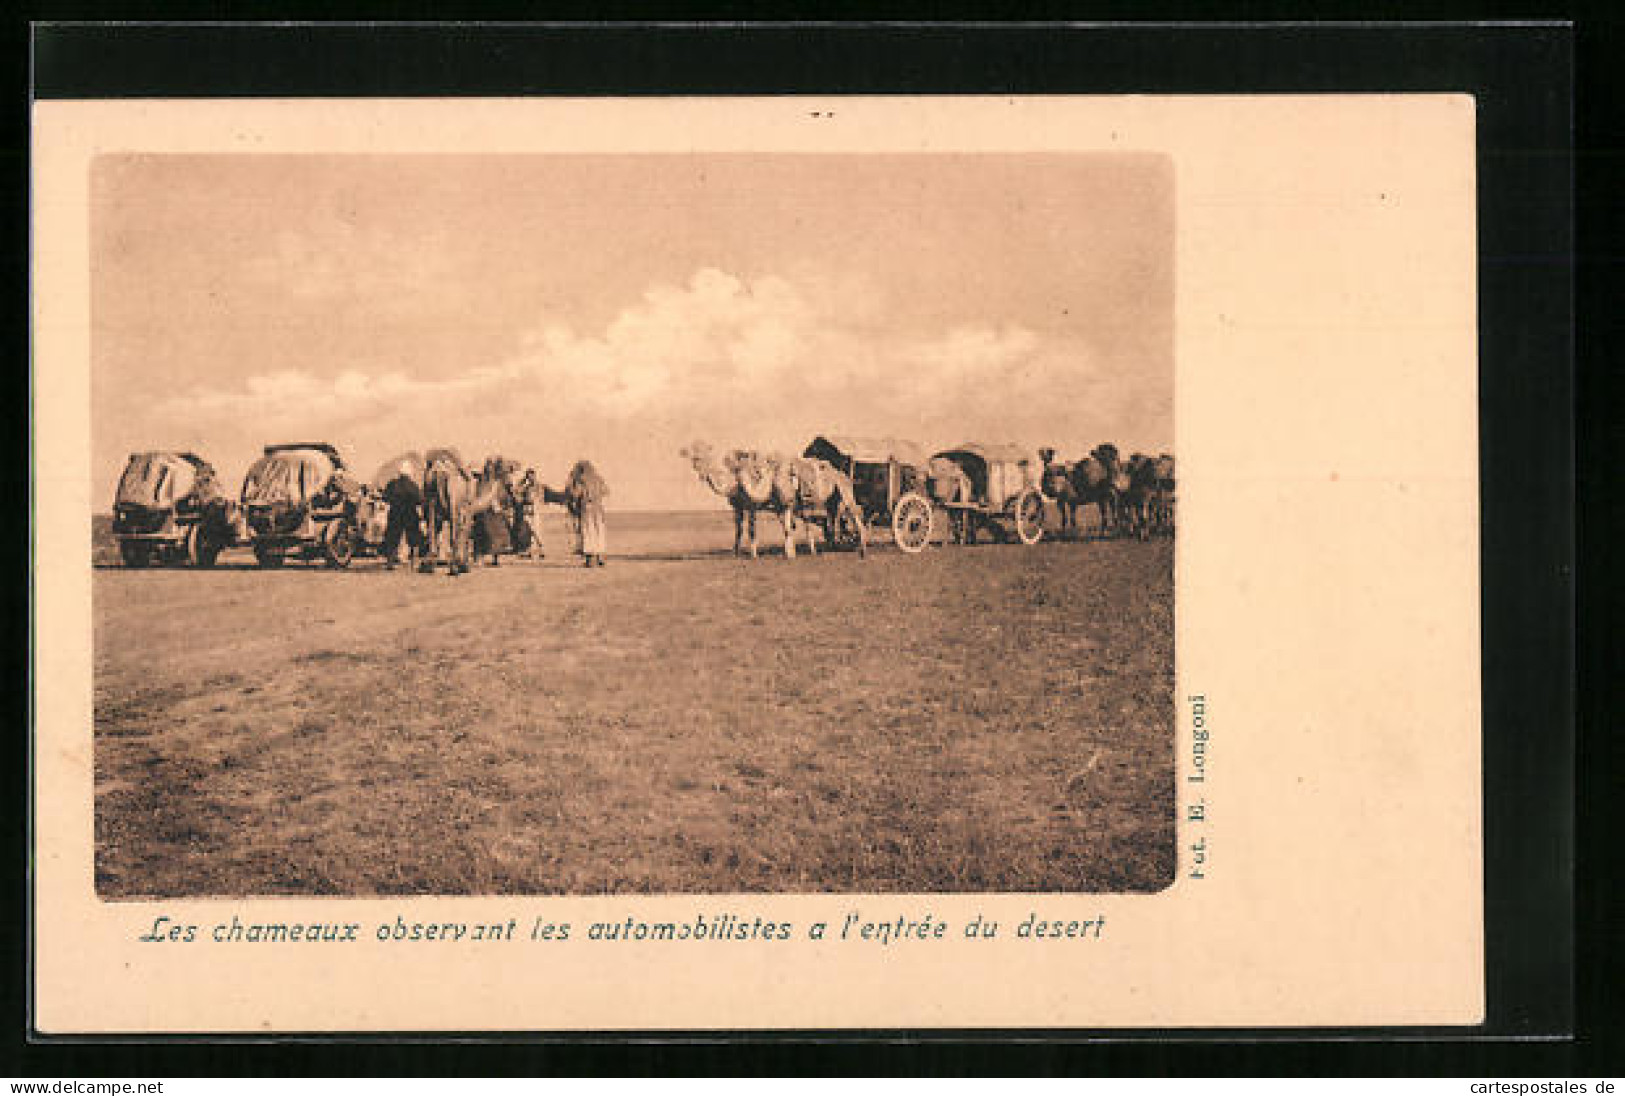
pixel 757 563
pixel 632 524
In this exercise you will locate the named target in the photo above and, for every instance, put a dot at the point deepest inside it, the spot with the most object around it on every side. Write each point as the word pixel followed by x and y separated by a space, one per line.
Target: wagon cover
pixel 867 450
pixel 158 479
pixel 991 454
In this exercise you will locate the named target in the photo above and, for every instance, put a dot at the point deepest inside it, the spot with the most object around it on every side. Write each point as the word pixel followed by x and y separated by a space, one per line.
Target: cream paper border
pixel 1327 609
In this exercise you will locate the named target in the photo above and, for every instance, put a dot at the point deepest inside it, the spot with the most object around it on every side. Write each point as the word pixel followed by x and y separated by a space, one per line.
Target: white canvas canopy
pixel 156 480
pixel 288 476
pixel 842 451
pixel 998 473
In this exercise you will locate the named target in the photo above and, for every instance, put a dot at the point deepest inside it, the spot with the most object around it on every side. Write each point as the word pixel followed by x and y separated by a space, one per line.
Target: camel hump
pixel 814 481
pixel 1089 472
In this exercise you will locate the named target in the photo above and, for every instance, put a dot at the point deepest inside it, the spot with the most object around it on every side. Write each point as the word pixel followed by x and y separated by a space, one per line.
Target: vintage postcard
pixel 702 564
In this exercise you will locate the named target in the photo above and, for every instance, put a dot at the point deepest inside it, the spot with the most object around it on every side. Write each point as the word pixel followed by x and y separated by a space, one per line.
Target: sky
pixel 616 308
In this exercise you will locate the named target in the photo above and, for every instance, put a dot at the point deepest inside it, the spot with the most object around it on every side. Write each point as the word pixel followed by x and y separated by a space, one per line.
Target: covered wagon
pixel 993 487
pixel 889 477
pixel 168 508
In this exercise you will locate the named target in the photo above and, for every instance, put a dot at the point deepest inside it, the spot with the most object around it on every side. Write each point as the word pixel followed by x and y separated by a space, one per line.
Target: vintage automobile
pixel 300 501
pixel 889 481
pixel 992 487
pixel 168 509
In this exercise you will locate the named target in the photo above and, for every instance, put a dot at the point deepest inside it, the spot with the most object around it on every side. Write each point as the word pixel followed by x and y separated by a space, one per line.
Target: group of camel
pixel 803 492
pixel 454 499
pixel 1135 497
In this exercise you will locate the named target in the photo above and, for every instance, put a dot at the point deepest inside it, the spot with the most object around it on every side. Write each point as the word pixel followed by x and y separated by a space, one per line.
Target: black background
pixel 1527 261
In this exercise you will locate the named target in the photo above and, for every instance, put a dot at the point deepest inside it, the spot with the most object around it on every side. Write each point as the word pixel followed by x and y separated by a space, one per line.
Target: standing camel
pixel 1162 500
pixel 448 491
pixel 1098 479
pixel 1136 498
pixel 1056 484
pixel 750 483
pixel 824 496
pixel 492 509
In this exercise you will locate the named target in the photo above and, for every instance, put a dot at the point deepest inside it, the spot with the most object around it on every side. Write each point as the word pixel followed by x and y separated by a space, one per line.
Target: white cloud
pixel 762 361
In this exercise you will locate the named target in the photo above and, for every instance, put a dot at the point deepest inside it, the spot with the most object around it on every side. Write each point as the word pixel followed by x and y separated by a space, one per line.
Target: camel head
pixel 812 479
pixel 703 459
pixel 1105 453
pixel 1056 477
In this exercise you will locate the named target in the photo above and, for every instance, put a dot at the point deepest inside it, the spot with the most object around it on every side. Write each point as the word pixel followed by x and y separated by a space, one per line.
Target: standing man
pixel 585 493
pixel 405 500
pixel 527 530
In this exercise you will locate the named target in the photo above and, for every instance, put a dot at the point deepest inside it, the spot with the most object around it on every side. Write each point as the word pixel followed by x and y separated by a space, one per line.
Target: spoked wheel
pixel 268 557
pixel 339 543
pixel 134 553
pixel 1030 517
pixel 911 523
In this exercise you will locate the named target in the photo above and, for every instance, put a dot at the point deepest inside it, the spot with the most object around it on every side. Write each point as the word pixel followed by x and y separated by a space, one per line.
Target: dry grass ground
pixel 994 718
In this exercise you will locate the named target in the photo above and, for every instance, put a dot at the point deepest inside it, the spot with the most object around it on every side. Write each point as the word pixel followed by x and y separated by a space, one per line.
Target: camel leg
pixel 739 531
pixel 752 522
pixel 461 548
pixel 787 518
pixel 431 548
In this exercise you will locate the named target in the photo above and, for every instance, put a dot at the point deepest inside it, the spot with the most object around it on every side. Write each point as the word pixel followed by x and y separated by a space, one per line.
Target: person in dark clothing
pixel 405 500
pixel 527 537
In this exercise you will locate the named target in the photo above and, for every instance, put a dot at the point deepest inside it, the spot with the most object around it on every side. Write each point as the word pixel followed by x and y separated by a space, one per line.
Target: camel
pixel 1138 498
pixel 1162 495
pixel 750 483
pixel 448 492
pixel 493 501
pixel 1056 483
pixel 824 496
pixel 1099 479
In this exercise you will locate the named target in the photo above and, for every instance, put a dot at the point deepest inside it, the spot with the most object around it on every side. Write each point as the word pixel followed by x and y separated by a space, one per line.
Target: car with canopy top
pixel 168 508
pixel 300 500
